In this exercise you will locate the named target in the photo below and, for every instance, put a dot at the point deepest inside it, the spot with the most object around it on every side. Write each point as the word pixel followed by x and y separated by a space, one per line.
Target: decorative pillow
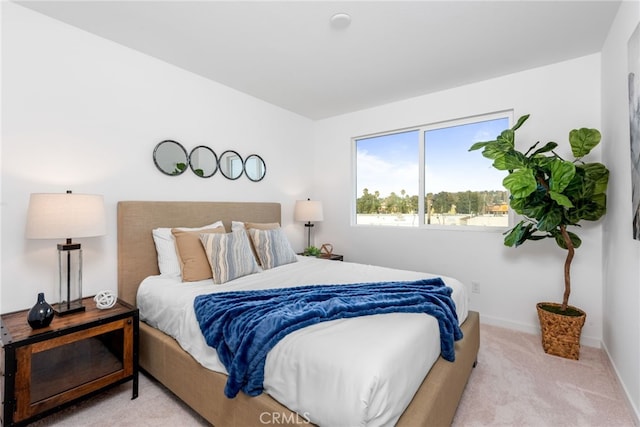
pixel 193 260
pixel 272 247
pixel 238 225
pixel 166 248
pixel 229 255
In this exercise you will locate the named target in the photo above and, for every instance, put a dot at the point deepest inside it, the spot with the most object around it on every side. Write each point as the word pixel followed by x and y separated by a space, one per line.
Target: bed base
pixel 434 404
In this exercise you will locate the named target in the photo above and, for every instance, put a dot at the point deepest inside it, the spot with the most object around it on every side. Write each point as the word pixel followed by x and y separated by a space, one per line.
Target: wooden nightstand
pixel 76 356
pixel 332 257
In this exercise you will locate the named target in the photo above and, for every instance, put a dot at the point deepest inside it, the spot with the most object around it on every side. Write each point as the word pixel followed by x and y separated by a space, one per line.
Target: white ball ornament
pixel 105 299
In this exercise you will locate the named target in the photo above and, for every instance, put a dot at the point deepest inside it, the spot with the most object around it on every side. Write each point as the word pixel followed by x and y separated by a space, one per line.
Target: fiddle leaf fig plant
pixel 549 192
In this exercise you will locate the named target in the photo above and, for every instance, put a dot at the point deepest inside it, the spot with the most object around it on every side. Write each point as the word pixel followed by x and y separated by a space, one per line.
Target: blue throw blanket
pixel 244 326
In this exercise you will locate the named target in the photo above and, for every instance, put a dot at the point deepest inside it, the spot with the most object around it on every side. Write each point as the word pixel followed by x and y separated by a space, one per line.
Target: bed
pixel 434 402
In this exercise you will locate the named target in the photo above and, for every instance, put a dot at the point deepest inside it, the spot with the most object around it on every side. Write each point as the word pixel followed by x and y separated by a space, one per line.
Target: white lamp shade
pixel 65 216
pixel 308 211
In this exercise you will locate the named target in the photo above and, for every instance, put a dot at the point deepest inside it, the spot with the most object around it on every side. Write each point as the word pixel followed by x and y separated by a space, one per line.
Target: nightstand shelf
pixel 74 357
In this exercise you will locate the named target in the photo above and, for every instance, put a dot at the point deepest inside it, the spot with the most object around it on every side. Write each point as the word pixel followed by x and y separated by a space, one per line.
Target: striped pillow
pixel 229 255
pixel 272 247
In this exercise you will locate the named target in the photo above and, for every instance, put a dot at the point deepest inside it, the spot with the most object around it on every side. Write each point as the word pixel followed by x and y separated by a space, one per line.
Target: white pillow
pixel 168 263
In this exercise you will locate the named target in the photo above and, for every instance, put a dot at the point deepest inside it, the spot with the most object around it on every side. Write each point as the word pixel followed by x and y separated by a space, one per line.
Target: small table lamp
pixel 308 210
pixel 64 216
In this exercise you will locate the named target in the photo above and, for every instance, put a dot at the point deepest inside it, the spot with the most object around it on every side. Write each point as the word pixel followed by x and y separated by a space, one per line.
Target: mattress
pixel 346 372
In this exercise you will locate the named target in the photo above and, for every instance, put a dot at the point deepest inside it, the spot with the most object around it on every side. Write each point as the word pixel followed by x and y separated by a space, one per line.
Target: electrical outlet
pixel 475 287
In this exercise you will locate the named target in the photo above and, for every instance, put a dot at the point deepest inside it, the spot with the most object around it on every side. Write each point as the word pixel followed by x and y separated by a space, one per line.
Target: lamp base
pixel 62 308
pixel 308 225
pixel 70 283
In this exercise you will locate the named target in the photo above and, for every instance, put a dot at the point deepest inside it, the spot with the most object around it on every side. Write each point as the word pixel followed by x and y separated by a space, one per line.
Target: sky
pixel 390 162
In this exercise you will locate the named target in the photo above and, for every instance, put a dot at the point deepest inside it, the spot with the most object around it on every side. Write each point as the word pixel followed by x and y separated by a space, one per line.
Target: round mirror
pixel 203 161
pixel 254 167
pixel 170 157
pixel 230 164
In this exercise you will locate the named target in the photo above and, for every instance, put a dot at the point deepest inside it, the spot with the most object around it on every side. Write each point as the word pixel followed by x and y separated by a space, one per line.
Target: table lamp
pixel 308 210
pixel 67 216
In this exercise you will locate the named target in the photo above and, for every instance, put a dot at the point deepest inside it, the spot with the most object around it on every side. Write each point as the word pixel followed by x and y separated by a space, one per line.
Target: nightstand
pixel 332 257
pixel 76 356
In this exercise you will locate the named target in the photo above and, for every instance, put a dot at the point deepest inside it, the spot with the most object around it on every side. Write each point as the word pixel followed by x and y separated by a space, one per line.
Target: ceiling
pixel 288 54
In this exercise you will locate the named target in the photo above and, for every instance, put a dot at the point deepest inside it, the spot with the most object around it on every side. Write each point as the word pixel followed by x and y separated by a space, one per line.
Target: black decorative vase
pixel 41 314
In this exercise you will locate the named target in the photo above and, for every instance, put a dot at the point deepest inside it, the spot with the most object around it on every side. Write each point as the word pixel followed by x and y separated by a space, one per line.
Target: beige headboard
pixel 137 256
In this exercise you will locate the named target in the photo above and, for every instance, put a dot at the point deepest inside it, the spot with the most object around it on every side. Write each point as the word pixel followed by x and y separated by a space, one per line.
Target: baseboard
pixel 633 408
pixel 534 330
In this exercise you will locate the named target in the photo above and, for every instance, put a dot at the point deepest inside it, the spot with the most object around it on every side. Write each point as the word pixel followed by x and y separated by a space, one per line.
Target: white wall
pixel 621 297
pixel 559 98
pixel 84 114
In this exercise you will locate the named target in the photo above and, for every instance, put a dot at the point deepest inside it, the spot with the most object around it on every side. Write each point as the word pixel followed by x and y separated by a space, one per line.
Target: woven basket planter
pixel 560 333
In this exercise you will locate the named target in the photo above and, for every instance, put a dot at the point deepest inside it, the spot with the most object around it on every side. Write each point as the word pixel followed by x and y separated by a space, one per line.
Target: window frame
pixel 422 129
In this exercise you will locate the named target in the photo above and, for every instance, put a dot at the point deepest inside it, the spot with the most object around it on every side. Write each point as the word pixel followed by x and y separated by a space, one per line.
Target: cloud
pixel 377 174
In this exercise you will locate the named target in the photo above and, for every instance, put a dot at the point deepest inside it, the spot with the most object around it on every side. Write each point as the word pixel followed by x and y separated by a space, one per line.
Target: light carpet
pixel 517 384
pixel 514 384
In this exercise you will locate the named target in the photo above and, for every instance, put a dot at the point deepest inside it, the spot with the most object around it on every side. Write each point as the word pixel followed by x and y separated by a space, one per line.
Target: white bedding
pixel 347 372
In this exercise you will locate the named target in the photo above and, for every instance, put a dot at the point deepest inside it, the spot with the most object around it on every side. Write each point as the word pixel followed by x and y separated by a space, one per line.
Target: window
pixel 426 176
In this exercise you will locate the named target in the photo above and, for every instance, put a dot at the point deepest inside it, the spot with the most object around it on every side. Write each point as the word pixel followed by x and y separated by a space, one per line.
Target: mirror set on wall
pixel 171 158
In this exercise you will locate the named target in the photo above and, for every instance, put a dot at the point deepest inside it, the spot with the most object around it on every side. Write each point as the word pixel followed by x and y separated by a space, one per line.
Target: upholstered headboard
pixel 137 256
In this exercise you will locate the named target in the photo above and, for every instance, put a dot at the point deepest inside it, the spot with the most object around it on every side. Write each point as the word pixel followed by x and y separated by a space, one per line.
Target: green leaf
pixel 520 121
pixel 578 188
pixel 562 173
pixel 551 220
pixel 517 235
pixel 521 233
pixel 575 240
pixel 583 140
pixel 561 199
pixel 598 174
pixel 479 145
pixel 532 206
pixel 496 149
pixel 591 209
pixel 520 183
pixel 507 139
pixel 510 160
pixel 600 209
pixel 549 146
pixel 518 205
pixel 540 162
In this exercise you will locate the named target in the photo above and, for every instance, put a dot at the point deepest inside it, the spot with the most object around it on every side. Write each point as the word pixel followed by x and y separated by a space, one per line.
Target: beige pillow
pixel 261 226
pixel 194 265
pixel 165 243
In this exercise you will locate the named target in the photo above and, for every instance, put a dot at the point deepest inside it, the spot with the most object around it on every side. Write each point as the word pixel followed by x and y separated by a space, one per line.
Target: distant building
pixel 500 209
